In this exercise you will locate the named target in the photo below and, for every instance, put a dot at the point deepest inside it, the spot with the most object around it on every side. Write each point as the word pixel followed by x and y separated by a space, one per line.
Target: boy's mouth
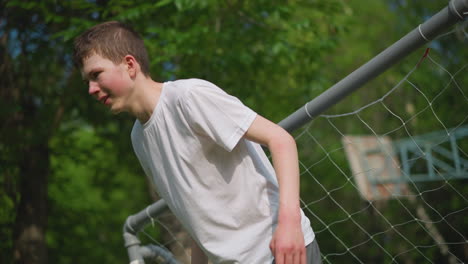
pixel 103 99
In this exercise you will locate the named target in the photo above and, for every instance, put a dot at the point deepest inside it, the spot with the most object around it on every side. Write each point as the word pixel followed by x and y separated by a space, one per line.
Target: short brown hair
pixel 112 40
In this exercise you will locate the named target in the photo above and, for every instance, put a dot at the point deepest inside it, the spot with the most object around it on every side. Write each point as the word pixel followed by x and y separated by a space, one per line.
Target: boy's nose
pixel 93 88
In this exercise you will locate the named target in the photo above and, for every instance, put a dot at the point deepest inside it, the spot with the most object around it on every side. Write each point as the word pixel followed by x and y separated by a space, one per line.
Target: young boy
pixel 201 149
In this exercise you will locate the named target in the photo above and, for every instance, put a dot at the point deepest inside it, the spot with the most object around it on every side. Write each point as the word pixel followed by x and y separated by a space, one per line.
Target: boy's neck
pixel 144 99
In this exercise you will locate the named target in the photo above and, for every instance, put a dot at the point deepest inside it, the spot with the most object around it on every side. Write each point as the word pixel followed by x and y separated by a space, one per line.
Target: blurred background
pixel 68 174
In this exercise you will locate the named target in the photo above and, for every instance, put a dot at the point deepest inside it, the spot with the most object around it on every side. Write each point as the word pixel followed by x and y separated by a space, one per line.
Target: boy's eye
pixel 95 75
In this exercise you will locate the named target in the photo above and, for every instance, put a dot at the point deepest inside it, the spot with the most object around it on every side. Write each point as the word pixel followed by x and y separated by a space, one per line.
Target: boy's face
pixel 108 82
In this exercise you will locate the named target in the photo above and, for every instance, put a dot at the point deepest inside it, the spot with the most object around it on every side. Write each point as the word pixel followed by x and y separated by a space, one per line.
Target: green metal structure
pixel 436 156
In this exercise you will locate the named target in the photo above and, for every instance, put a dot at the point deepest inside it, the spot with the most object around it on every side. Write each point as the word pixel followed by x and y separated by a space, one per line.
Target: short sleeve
pixel 211 111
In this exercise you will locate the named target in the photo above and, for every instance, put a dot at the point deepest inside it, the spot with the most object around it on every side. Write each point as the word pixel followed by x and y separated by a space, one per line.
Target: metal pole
pixel 456 11
pixel 137 221
pixel 134 224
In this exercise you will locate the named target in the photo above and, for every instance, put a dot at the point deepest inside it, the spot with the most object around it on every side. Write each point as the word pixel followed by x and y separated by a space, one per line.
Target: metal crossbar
pixel 456 11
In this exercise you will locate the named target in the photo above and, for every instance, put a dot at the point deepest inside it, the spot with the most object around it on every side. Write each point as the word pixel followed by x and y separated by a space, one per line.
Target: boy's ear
pixel 132 65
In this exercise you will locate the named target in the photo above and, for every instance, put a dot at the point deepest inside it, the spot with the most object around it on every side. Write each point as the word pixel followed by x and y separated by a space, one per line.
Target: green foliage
pixel 90 196
pixel 7 217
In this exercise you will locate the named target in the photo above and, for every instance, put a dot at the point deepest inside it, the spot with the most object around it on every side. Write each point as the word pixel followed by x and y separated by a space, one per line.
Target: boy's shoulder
pixel 192 83
pixel 182 89
pixel 181 94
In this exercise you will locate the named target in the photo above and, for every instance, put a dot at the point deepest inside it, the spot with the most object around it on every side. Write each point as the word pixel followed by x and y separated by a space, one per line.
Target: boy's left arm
pixel 287 244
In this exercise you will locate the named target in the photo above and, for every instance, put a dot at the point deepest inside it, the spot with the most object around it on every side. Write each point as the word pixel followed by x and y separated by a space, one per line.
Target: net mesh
pixel 389 207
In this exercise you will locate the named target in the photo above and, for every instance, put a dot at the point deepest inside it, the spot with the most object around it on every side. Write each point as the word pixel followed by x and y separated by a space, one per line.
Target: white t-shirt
pixel 221 187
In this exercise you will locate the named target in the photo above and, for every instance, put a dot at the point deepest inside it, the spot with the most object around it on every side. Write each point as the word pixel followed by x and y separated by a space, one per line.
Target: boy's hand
pixel 287 243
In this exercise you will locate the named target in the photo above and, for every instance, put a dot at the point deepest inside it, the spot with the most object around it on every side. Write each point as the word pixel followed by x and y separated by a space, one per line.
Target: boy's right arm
pixel 198 256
